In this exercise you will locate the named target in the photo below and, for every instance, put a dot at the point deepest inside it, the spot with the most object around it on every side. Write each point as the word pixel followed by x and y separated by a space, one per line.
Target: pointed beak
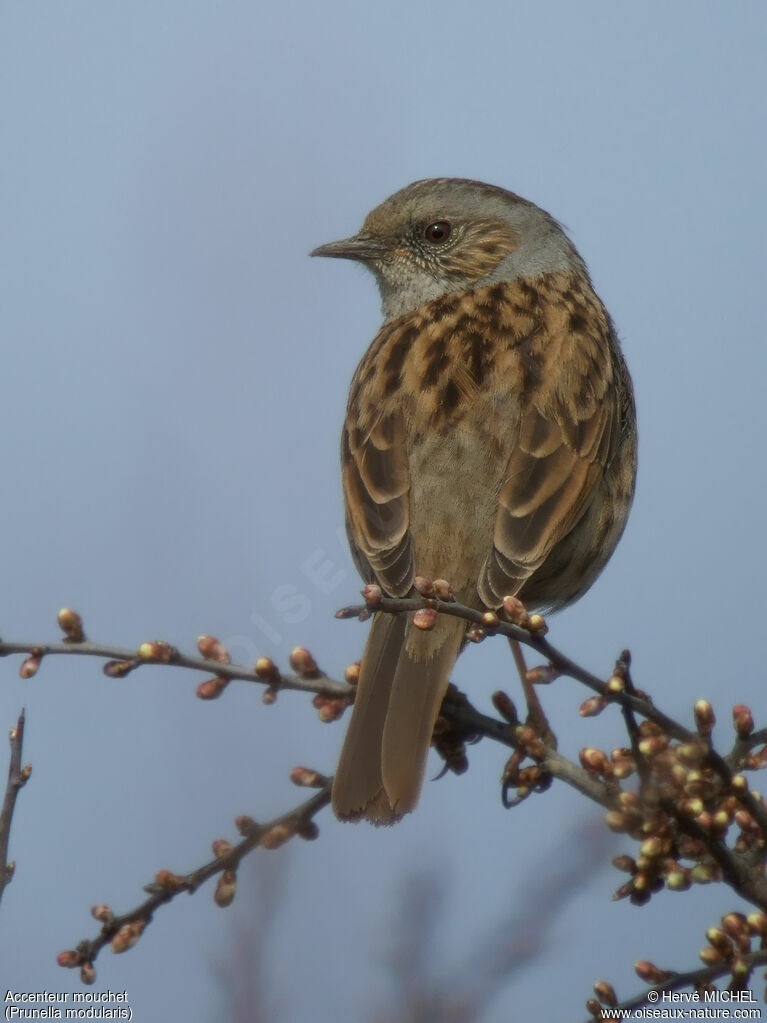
pixel 360 246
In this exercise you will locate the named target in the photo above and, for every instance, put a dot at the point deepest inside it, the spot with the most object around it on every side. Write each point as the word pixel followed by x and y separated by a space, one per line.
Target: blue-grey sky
pixel 174 374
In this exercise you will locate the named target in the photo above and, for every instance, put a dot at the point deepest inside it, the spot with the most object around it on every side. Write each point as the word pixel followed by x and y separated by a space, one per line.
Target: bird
pixel 490 440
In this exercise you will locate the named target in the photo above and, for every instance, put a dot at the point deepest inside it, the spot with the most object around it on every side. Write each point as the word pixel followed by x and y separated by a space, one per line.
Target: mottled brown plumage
pixel 490 440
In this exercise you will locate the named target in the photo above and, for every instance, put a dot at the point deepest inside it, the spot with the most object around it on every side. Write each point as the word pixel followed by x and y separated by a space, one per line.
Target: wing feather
pixel 563 442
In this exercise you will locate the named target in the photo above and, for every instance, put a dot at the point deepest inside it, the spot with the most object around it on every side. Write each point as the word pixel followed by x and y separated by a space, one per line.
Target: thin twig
pixel 693 978
pixel 322 684
pixel 272 834
pixel 16 780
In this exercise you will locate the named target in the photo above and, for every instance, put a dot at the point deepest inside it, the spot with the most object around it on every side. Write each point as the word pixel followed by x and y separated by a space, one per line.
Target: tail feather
pixel 358 779
pixel 402 683
pixel 417 692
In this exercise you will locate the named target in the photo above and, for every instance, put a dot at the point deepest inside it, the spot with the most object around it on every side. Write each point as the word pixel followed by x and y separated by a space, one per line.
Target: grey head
pixel 447 235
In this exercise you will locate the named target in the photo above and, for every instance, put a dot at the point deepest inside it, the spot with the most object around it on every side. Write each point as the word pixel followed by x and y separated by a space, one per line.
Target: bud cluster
pixel 731 941
pixel 728 945
pixel 684 807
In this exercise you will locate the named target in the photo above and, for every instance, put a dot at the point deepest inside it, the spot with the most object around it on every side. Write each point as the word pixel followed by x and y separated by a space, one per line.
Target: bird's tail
pixel 403 679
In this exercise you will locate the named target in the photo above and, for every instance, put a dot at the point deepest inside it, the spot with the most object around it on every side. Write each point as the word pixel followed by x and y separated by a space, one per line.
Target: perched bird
pixel 490 440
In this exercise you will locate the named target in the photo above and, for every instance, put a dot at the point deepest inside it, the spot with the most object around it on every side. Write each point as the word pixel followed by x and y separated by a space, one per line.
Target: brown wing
pixel 563 442
pixel 376 480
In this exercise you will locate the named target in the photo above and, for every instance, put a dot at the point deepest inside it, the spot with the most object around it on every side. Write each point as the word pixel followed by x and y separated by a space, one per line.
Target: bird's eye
pixel 438 232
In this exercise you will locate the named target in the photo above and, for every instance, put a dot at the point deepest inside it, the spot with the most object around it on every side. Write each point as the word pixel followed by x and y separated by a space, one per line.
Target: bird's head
pixel 448 235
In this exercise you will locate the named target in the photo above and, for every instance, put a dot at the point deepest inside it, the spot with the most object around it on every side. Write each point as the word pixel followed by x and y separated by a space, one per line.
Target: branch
pixel 689 795
pixel 17 778
pixel 122 661
pixel 122 932
pixel 702 980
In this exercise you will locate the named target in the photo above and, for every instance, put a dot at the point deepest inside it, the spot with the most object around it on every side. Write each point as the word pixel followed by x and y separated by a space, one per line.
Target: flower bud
pixel 118 669
pixel 515 609
pixel 372 594
pixel 691 752
pixel 703 873
pixel 505 707
pixel 537 625
pixel 71 625
pixel 739 784
pixel 30 665
pixel 266 669
pixel 101 912
pixel 650 973
pixel 347 612
pixel 710 956
pixel 331 710
pixel 87 973
pixel 305 777
pixel 743 720
pixel 624 863
pixel 623 763
pixel 616 821
pixel 221 848
pixel 423 586
pixel 352 673
pixel 757 924
pixel 615 684
pixel 542 675
pixel 212 650
pixel 678 879
pixel 705 719
pixel 158 650
pixel 690 807
pixel 653 745
pixel 226 889
pixel 653 847
pixel 443 591
pixel 244 824
pixel 276 836
pixel 736 925
pixel 425 618
pixel 605 993
pixel 302 662
pixel 716 937
pixel 211 688
pixel 593 706
pixel 69 959
pixel 595 761
pixel 169 881
pixel 127 936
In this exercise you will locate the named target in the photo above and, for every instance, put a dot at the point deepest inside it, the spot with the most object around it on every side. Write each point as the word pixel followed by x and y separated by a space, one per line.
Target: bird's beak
pixel 360 246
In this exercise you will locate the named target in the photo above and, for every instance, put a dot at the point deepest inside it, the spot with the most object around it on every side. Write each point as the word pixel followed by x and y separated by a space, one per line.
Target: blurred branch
pixel 244 966
pixel 425 988
pixel 17 778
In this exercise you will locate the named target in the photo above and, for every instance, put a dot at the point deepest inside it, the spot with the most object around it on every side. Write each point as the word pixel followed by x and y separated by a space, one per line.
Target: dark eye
pixel 438 232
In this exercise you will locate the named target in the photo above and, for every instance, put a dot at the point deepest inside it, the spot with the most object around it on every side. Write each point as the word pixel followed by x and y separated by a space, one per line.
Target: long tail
pixel 403 679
